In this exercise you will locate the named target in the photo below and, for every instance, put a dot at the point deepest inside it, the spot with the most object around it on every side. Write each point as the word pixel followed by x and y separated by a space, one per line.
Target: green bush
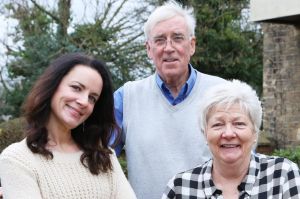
pixel 292 154
pixel 123 162
pixel 11 131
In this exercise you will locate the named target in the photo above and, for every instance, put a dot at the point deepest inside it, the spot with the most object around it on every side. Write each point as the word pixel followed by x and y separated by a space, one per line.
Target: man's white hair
pixel 168 10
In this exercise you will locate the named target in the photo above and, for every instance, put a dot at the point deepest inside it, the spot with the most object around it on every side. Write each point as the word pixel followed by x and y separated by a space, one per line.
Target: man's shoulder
pixel 205 81
pixel 210 78
pixel 139 82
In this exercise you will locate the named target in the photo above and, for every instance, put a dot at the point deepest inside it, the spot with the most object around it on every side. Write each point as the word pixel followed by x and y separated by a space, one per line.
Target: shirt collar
pixel 209 187
pixel 253 172
pixel 190 82
pixel 246 185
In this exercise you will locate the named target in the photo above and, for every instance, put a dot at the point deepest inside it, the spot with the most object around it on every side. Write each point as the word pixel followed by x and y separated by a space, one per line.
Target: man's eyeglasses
pixel 175 41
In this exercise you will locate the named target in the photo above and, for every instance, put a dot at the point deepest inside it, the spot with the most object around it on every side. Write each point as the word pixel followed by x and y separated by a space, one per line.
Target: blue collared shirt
pixel 184 92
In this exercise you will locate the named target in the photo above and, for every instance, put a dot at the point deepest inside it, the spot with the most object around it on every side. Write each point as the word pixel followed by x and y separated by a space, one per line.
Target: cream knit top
pixel 24 175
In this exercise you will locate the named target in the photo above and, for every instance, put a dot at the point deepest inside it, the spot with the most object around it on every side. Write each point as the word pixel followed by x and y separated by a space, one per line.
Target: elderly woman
pixel 230 118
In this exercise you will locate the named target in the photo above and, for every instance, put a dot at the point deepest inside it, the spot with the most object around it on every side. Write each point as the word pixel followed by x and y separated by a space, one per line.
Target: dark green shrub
pixel 123 162
pixel 292 154
pixel 11 131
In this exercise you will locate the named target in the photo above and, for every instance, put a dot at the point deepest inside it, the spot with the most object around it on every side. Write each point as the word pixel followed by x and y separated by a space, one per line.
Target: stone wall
pixel 281 84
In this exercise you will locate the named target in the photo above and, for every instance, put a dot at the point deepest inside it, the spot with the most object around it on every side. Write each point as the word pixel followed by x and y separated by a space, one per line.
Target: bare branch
pixel 45 11
pixel 115 13
pixel 107 10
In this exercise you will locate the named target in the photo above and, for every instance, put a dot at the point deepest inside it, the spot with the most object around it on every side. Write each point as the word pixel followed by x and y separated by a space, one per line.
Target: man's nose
pixel 169 44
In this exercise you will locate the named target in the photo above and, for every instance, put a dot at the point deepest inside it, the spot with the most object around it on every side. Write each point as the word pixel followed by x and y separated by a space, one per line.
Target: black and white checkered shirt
pixel 268 177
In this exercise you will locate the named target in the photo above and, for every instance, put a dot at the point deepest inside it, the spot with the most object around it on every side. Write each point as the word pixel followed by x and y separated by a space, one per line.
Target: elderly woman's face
pixel 230 134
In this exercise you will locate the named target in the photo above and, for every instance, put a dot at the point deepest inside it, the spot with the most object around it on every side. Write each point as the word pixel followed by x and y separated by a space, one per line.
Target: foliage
pixel 227 44
pixel 292 154
pixel 123 162
pixel 10 132
pixel 42 34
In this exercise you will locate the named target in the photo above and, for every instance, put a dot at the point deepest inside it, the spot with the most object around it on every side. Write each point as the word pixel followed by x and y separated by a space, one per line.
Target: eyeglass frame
pixel 175 40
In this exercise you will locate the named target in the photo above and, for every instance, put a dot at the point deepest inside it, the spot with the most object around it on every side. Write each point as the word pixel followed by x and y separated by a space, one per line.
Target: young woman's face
pixel 75 98
pixel 230 134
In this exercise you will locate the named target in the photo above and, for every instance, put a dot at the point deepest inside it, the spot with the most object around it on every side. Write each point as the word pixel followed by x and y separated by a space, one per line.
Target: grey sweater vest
pixel 161 139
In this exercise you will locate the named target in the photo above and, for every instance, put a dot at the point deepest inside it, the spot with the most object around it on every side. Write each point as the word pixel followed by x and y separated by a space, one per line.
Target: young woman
pixel 65 154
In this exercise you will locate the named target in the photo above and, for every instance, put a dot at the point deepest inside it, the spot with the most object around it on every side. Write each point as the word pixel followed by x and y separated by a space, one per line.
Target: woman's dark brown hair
pixel 92 136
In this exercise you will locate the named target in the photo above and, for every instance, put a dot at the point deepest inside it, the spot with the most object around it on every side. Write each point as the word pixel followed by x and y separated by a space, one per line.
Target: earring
pixel 83 127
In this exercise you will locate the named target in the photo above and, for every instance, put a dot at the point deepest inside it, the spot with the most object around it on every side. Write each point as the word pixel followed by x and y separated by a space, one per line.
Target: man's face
pixel 170 47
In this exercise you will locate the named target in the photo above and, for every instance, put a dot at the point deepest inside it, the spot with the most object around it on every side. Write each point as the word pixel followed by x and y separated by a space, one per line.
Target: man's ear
pixel 148 48
pixel 193 46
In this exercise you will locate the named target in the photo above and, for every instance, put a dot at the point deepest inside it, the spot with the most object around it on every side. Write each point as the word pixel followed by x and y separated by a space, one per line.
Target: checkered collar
pixel 250 178
pixel 244 188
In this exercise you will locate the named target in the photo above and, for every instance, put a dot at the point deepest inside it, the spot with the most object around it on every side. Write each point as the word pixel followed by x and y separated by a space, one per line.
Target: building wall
pixel 281 86
pixel 265 10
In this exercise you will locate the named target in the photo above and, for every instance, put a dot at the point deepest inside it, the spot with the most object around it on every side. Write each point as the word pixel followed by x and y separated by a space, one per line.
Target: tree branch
pixel 45 11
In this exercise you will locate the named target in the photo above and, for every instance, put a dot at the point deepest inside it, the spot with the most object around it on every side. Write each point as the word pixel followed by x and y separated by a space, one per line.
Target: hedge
pixel 292 154
pixel 11 131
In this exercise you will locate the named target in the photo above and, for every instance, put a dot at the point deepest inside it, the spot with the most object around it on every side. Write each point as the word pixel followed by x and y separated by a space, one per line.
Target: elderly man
pixel 158 114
